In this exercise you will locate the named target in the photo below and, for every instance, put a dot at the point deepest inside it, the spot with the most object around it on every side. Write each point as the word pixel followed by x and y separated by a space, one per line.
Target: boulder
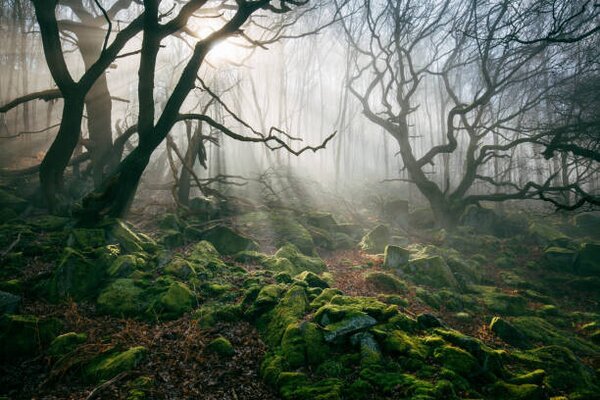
pixel 375 241
pixel 66 343
pixel 25 335
pixel 432 271
pixel 588 223
pixel 76 277
pixel 385 283
pixel 395 257
pixel 299 261
pixel 303 344
pixel 352 323
pixel 588 260
pixel 456 359
pixel 507 332
pixel 122 298
pixel 110 364
pixel 175 301
pixel 227 241
pixel 312 280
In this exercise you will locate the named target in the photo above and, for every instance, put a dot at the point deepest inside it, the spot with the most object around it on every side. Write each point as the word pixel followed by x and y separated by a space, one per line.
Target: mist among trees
pixel 346 199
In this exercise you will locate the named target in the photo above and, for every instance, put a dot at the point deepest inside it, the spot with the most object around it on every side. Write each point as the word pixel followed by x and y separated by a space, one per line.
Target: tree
pixel 471 48
pixel 118 190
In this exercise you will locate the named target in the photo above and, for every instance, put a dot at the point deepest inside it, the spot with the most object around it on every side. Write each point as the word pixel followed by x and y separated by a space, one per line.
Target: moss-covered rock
pixel 565 373
pixel 545 234
pixel 221 347
pixel 174 302
pixel 324 297
pixel 507 332
pixel 227 241
pixel 303 344
pixel 588 260
pixel 375 241
pixel 539 330
pixel 211 314
pixel 124 266
pixel 299 261
pixel 385 283
pixel 76 277
pixel 560 258
pixel 66 343
pixel 118 231
pixel 180 268
pixel 26 335
pixel 282 226
pixel 456 359
pixel 431 271
pixel 122 298
pixel 289 310
pixel 83 238
pixel 501 303
pixel 204 256
pixel 395 257
pixel 508 391
pixel 312 280
pixel 297 386
pixel 108 365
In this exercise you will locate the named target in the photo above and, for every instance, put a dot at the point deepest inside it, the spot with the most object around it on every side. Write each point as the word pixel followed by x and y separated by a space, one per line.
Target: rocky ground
pixel 260 303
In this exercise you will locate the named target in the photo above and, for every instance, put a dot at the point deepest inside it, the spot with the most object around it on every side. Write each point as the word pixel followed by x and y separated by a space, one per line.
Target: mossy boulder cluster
pixel 401 338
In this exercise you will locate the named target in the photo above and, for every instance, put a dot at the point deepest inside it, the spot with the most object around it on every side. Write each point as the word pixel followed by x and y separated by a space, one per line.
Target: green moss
pixel 87 238
pixel 297 386
pixel 456 359
pixel 544 233
pixel 393 299
pixel 209 315
pixel 539 330
pixel 303 344
pixel 401 343
pixel 25 335
pixel 271 367
pixel 501 303
pixel 122 298
pixel 125 265
pixel 506 391
pixel 507 332
pixel 118 231
pixel 312 280
pixel 534 377
pixel 66 343
pixel 401 384
pixel 301 262
pixel 76 277
pixel 290 309
pixel 175 301
pixel 431 271
pixel 204 256
pixel 325 297
pixel 227 241
pixel 565 373
pixel 221 347
pixel 375 241
pixel 108 365
pixel 385 283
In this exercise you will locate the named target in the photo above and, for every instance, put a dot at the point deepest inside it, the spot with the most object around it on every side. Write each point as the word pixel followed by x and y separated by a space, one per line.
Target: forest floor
pixel 187 307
